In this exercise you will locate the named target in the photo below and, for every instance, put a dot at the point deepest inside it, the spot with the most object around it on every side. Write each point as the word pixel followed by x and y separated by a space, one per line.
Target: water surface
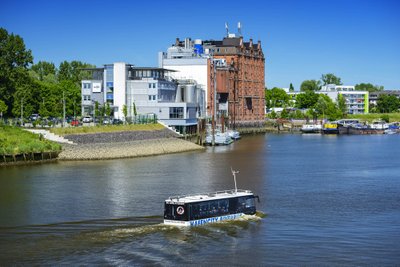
pixel 328 200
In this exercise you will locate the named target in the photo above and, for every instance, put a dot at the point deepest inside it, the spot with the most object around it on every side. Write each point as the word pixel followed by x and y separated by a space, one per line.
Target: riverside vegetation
pixel 16 142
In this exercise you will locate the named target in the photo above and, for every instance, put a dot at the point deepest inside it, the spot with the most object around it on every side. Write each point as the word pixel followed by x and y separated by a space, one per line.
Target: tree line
pixel 322 105
pixel 37 88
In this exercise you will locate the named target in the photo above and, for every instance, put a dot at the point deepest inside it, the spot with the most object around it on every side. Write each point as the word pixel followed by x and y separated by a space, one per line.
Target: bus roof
pixel 209 196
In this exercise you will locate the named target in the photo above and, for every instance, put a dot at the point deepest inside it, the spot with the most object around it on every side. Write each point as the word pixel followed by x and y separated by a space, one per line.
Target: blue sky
pixel 358 41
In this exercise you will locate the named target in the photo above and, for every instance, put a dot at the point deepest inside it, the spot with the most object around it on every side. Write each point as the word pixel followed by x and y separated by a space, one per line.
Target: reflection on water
pixel 330 200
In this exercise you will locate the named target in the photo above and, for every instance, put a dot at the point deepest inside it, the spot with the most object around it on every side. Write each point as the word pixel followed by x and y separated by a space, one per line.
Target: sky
pixel 358 41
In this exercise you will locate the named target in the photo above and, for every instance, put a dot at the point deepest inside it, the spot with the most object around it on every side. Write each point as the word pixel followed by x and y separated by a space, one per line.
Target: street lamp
pixel 22 111
pixel 63 124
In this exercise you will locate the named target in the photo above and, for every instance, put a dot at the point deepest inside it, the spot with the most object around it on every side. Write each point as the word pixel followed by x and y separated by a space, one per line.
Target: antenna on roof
pixel 234 177
pixel 227 29
pixel 239 29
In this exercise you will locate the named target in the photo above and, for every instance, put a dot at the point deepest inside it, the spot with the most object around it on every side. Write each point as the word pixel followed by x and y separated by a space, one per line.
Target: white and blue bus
pixel 195 210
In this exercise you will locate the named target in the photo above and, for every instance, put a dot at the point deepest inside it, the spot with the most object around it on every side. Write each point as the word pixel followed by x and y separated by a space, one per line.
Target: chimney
pixel 177 41
pixel 241 41
pixel 251 43
pixel 259 45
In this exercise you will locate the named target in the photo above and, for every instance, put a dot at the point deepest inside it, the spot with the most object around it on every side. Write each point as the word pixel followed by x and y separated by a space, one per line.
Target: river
pixel 327 200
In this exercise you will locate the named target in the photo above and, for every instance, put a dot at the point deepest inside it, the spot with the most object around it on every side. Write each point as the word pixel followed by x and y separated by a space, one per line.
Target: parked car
pixel 75 123
pixel 117 121
pixel 34 117
pixel 106 121
pixel 87 119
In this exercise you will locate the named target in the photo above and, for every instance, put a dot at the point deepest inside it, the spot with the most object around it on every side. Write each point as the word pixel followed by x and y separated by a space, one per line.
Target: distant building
pixel 188 63
pixel 373 96
pixel 357 102
pixel 151 91
pixel 236 67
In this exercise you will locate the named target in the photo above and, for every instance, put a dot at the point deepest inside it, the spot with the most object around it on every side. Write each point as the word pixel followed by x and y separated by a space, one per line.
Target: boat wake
pixel 140 239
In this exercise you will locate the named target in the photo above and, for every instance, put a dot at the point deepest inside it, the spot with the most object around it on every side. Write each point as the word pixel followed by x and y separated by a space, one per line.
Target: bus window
pixel 176 212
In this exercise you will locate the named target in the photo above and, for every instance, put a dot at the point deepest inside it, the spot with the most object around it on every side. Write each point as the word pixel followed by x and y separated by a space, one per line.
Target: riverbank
pixel 130 149
pixel 22 147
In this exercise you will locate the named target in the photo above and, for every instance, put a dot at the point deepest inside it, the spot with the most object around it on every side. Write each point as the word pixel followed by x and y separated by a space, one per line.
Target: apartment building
pixel 148 91
pixel 357 102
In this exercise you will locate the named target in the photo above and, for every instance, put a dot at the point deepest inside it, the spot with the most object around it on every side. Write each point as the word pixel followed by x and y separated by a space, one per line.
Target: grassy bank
pixel 106 129
pixel 14 141
pixel 375 116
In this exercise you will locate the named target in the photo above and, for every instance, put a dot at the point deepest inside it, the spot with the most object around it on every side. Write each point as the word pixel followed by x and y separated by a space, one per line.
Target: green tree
pixel 276 97
pixel 284 114
pixel 368 87
pixel 385 118
pixel 341 105
pixel 27 95
pixel 96 108
pixel 14 60
pixel 134 109
pixel 125 111
pixel 306 99
pixel 330 78
pixel 72 94
pixel 108 109
pixel 3 108
pixel 310 85
pixel 74 71
pixel 43 69
pixel 327 108
pixel 388 103
pixel 291 88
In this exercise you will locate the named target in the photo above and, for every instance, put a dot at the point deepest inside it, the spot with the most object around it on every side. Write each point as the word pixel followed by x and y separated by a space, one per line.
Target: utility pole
pixel 214 117
pixel 94 113
pixel 63 124
pixel 22 111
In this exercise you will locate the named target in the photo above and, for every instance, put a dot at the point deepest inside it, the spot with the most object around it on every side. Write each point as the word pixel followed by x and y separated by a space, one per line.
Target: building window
pixel 154 85
pixel 86 97
pixel 176 113
pixel 86 85
pixel 149 85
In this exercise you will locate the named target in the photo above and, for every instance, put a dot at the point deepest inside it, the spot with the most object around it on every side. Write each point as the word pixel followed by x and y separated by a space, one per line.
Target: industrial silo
pixel 190 93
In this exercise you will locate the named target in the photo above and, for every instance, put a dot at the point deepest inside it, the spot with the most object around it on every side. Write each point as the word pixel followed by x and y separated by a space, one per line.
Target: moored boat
pixel 311 128
pixel 219 139
pixel 235 135
pixel 330 128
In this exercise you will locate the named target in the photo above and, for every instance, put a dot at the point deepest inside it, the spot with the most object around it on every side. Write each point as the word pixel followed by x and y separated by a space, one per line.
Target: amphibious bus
pixel 199 209
pixel 195 210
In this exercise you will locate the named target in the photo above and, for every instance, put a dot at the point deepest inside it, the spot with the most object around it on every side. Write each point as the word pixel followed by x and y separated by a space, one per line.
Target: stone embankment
pixel 124 145
pixel 131 149
pixel 126 136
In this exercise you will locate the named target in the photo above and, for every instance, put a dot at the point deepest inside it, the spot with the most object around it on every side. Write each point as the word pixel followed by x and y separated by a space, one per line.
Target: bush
pixel 385 117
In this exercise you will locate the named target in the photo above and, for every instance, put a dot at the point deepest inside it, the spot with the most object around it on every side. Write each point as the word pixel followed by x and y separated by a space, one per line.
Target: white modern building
pixel 148 91
pixel 189 60
pixel 357 102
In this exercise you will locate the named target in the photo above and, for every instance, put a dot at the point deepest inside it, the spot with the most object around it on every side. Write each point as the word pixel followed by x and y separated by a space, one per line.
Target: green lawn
pixel 375 116
pixel 106 128
pixel 14 141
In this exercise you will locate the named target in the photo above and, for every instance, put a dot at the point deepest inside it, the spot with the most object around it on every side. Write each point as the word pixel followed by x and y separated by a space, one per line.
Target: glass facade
pixel 176 113
pixel 109 69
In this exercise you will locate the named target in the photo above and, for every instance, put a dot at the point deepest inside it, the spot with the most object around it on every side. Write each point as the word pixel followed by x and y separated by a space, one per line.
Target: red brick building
pixel 240 83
